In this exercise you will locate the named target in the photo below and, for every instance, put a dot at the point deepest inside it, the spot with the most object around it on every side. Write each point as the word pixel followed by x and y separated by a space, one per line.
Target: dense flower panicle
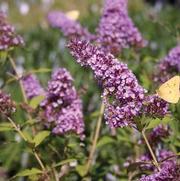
pixel 62 106
pixel 116 80
pixel 169 65
pixel 32 86
pixel 70 118
pixel 8 37
pixel 69 27
pixel 170 170
pixel 159 132
pixel 116 29
pixel 154 106
pixel 7 106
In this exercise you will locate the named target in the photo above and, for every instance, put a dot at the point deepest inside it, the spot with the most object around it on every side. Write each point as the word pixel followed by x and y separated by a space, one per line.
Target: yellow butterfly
pixel 73 15
pixel 169 91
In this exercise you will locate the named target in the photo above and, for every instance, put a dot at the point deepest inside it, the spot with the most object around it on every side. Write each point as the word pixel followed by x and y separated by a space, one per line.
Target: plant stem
pixel 38 159
pixel 25 139
pixel 150 150
pixel 29 116
pixel 22 88
pixel 20 82
pixel 96 135
pixel 17 128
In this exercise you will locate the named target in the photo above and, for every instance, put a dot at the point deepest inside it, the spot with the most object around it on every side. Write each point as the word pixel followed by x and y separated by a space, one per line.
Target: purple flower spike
pixel 62 106
pixel 8 37
pixel 70 118
pixel 169 65
pixel 32 86
pixel 169 172
pixel 116 29
pixel 7 106
pixel 169 169
pixel 117 81
pixel 69 27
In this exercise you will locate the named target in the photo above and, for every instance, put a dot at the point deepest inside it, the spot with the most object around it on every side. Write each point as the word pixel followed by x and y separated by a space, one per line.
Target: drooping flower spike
pixel 123 96
pixel 168 66
pixel 32 86
pixel 169 168
pixel 8 36
pixel 70 28
pixel 62 106
pixel 7 106
pixel 116 30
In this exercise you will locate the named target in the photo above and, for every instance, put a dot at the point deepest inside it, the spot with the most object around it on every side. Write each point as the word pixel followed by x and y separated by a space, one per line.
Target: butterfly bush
pixel 8 36
pixel 116 30
pixel 7 105
pixel 32 86
pixel 169 168
pixel 69 27
pixel 123 97
pixel 169 65
pixel 62 105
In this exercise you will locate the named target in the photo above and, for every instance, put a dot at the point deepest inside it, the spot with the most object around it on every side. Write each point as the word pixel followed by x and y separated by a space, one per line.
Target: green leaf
pixel 28 172
pixel 104 140
pixel 29 122
pixel 3 129
pixel 41 70
pixel 64 162
pixel 81 169
pixel 166 120
pixel 28 136
pixel 153 123
pixel 6 127
pixel 3 56
pixel 94 114
pixel 36 101
pixel 38 139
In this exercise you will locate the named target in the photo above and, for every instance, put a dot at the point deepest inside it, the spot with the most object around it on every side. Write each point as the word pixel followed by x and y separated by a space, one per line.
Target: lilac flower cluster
pixel 168 65
pixel 7 106
pixel 154 106
pixel 62 106
pixel 170 170
pixel 8 37
pixel 116 29
pixel 69 27
pixel 119 83
pixel 32 86
pixel 116 80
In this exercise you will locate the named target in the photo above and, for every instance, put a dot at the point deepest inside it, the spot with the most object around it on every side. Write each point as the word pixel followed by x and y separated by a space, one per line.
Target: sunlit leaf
pixel 36 101
pixel 28 172
pixel 39 138
pixel 28 136
pixel 153 123
pixel 64 162
pixel 6 127
pixel 81 169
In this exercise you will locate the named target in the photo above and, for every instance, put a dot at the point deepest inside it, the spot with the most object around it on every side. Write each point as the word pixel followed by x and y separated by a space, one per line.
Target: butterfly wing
pixel 169 91
pixel 73 15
